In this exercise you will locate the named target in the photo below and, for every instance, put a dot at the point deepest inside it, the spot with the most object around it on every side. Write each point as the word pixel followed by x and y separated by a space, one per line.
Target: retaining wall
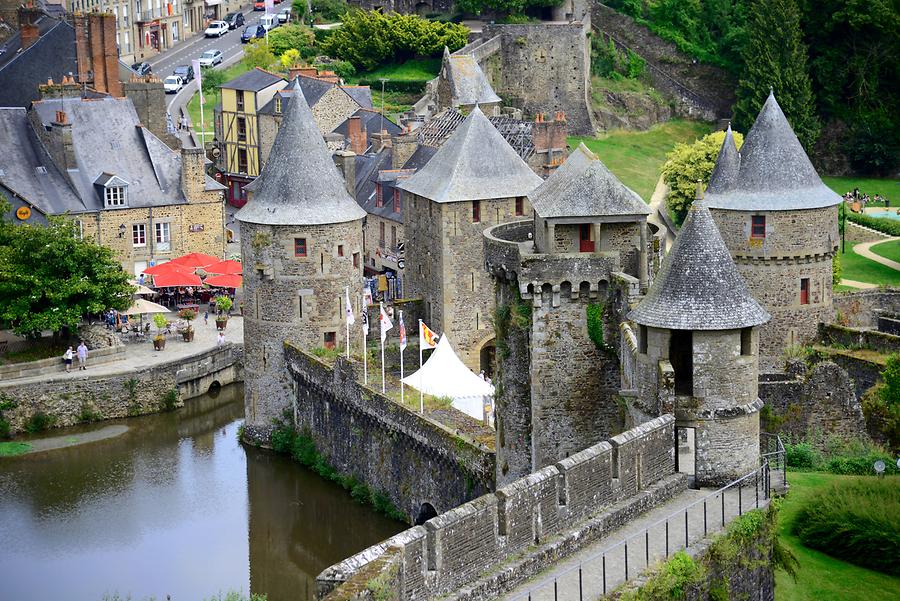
pixel 70 397
pixel 882 342
pixel 613 480
pixel 390 448
pixel 861 309
pixel 55 364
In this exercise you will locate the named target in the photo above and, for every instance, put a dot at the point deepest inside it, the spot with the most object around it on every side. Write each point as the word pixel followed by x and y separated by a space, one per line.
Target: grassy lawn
pixel 636 157
pixel 888 250
pixel 866 185
pixel 10 449
pixel 419 69
pixel 820 577
pixel 861 269
pixel 212 100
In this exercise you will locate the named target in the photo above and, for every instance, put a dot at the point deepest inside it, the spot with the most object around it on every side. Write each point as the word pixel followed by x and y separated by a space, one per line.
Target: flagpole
pixel 401 363
pixel 364 349
pixel 421 395
pixel 346 318
pixel 380 314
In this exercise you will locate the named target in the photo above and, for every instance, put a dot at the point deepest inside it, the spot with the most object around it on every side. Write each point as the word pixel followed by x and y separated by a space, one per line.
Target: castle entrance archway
pixel 426 512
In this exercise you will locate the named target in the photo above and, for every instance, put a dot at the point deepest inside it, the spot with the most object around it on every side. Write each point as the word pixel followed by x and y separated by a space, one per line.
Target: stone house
pixel 238 129
pixel 698 354
pixel 780 224
pixel 91 159
pixel 301 243
pixel 473 181
pixel 588 229
pixel 462 85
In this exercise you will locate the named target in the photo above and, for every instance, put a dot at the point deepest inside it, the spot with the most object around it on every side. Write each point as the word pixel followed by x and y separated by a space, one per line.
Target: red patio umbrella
pixel 231 280
pixel 175 279
pixel 195 260
pixel 168 267
pixel 224 267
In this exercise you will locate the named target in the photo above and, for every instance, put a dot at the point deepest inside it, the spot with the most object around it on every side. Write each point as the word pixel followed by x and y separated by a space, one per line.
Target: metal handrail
pixel 760 473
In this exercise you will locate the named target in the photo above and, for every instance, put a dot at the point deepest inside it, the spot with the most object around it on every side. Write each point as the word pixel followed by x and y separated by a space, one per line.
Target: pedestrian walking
pixel 82 355
pixel 67 358
pixel 220 339
pixel 206 317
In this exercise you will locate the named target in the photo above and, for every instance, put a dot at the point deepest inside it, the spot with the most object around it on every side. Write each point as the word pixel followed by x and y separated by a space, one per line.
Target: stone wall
pixel 544 517
pixel 293 297
pixel 69 398
pixel 545 67
pixel 859 233
pixel 410 459
pixel 860 309
pixel 814 404
pixel 380 256
pixel 832 334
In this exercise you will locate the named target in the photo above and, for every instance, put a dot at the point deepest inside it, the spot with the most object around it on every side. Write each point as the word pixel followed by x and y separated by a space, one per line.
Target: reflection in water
pixel 165 509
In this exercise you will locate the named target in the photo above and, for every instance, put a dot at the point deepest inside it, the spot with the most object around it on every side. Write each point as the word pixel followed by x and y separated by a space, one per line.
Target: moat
pixel 175 506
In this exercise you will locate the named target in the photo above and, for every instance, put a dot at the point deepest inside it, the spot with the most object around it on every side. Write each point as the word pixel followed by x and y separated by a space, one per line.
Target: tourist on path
pixel 67 358
pixel 82 355
pixel 206 318
pixel 220 339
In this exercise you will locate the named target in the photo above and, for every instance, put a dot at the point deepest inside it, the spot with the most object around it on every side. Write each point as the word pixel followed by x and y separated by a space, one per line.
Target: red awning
pixel 175 279
pixel 168 267
pixel 225 281
pixel 195 260
pixel 224 267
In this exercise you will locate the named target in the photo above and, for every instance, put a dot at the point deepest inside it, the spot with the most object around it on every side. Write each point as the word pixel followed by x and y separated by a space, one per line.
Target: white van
pixel 269 21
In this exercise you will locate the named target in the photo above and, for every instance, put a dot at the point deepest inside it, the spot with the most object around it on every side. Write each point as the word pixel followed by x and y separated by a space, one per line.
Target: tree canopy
pixel 50 279
pixel 689 164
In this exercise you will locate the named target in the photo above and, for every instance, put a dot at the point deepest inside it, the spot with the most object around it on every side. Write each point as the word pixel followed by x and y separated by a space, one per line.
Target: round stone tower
pixel 779 222
pixel 698 353
pixel 301 243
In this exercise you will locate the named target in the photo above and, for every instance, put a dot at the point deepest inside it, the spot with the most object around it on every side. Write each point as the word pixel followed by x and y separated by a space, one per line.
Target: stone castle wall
pixel 860 309
pixel 70 397
pixel 293 298
pixel 412 460
pixel 580 498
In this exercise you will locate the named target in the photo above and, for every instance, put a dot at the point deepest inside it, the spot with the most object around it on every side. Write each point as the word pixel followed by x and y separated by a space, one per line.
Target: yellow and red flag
pixel 427 338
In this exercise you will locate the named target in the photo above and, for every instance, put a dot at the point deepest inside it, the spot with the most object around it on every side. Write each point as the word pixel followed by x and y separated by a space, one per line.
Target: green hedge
pixel 402 87
pixel 880 224
pixel 857 521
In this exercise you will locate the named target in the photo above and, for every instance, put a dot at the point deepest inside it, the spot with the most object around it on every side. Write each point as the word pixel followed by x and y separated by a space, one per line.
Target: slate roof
pixel 313 90
pixel 468 84
pixel 253 81
pixel 361 94
pixel 515 131
pixel 583 187
pixel 475 163
pixel 376 168
pixel 698 286
pixel 300 184
pixel 775 174
pixel 371 123
pixel 728 164
pixel 420 157
pixel 51 56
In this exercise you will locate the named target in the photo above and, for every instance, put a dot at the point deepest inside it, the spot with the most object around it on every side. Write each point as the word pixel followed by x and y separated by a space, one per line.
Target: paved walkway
pixel 582 575
pixel 141 354
pixel 863 250
pixel 860 285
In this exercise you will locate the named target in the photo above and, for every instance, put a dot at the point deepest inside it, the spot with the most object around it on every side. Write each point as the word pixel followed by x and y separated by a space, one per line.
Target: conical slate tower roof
pixel 475 163
pixel 698 286
pixel 583 187
pixel 775 174
pixel 300 184
pixel 728 164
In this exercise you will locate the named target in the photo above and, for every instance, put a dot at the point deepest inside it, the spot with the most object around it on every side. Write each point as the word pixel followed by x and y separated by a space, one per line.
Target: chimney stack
pixel 380 141
pixel 357 135
pixel 193 173
pixel 62 148
pixel 28 30
pixel 404 145
pixel 346 164
pixel 96 53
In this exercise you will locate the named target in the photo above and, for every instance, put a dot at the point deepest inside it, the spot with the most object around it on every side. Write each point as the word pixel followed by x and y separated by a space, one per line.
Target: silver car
pixel 211 58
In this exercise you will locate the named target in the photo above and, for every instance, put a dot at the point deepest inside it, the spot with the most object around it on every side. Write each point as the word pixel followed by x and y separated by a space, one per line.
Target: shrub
pixel 224 304
pixel 160 321
pixel 292 36
pixel 857 520
pixel 39 422
pixel 879 224
pixel 802 456
pixel 609 62
pixel 856 457
pixel 5 428
pixel 5 404
pixel 595 326
pixel 169 399
pixel 88 413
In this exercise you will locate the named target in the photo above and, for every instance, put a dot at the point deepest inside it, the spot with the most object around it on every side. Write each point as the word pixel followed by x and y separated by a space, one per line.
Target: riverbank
pixel 51 443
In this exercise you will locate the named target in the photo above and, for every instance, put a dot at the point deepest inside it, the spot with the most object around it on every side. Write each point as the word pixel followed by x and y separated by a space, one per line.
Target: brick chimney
pixel 27 18
pixel 296 70
pixel 558 131
pixel 540 134
pixel 346 164
pixel 96 52
pixel 380 141
pixel 357 135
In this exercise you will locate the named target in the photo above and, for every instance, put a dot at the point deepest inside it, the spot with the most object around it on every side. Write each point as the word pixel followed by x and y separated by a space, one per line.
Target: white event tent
pixel 444 375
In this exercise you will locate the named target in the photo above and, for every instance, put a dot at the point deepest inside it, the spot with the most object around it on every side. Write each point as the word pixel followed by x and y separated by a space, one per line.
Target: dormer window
pixel 278 103
pixel 115 196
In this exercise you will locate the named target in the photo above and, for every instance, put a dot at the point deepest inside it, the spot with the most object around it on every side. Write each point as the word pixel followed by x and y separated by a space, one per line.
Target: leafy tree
pixel 512 7
pixel 49 278
pixel 688 164
pixel 328 11
pixel 342 69
pixel 290 58
pixel 775 57
pixel 211 79
pixel 257 54
pixel 292 36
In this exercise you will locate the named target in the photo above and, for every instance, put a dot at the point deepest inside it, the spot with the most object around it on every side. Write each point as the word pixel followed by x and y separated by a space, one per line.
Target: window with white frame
pixel 79 229
pixel 115 196
pixel 139 234
pixel 162 237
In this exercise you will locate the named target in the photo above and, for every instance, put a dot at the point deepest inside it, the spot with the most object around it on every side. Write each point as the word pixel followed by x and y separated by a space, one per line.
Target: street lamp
pixel 121 230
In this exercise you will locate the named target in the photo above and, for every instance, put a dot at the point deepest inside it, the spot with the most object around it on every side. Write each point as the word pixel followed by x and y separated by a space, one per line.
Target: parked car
pixel 211 58
pixel 234 20
pixel 185 72
pixel 285 15
pixel 142 68
pixel 259 5
pixel 253 31
pixel 173 84
pixel 269 21
pixel 216 29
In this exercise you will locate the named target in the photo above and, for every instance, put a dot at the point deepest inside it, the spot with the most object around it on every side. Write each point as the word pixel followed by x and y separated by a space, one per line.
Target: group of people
pixel 81 352
pixel 863 199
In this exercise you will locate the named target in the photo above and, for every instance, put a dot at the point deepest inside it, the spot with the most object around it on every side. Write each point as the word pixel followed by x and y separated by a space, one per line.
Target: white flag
pixel 197 73
pixel 350 318
pixel 270 6
pixel 402 333
pixel 385 323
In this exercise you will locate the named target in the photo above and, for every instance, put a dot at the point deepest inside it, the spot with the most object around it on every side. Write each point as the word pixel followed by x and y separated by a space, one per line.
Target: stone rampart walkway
pixel 601 567
pixel 141 354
